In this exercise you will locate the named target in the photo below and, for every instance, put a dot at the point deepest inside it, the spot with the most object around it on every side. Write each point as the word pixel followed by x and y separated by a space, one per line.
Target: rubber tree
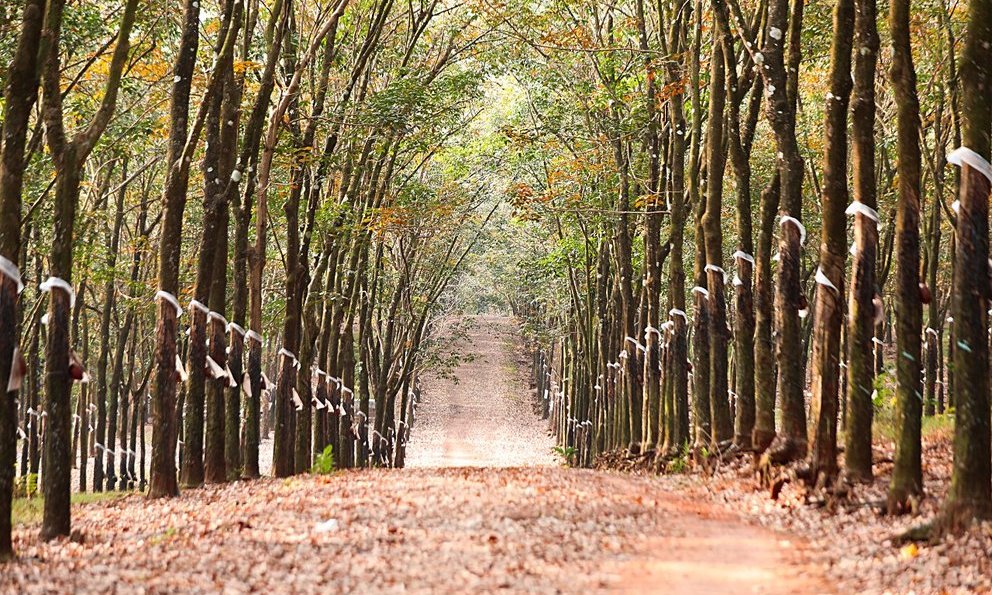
pixel 906 486
pixel 20 95
pixel 861 296
pixel 710 224
pixel 244 203
pixel 677 421
pixel 740 131
pixel 163 479
pixel 828 313
pixel 219 167
pixel 970 496
pixel 651 405
pixel 69 156
pixel 203 320
pixel 283 458
pixel 106 316
pixel 783 17
pixel 700 323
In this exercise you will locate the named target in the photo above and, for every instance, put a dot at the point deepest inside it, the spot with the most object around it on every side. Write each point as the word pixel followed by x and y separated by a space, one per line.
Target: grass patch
pixel 28 511
pixel 939 427
pixel 884 425
pixel 935 427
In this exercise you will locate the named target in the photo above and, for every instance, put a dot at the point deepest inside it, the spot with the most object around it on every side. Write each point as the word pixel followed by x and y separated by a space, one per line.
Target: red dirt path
pixel 542 528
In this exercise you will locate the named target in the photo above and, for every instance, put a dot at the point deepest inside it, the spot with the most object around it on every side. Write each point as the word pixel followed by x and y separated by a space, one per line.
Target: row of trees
pixel 733 126
pixel 200 198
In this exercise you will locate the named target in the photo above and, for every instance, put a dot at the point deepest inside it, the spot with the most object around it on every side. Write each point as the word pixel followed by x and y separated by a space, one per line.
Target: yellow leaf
pixel 908 552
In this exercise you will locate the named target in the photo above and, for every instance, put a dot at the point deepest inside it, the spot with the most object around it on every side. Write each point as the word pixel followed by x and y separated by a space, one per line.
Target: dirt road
pixel 487 510
pixel 483 417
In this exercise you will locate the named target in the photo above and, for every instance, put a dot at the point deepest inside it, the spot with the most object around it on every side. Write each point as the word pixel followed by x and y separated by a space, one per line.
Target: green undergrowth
pixel 324 463
pixel 934 428
pixel 28 511
pixel 566 454
pixel 683 462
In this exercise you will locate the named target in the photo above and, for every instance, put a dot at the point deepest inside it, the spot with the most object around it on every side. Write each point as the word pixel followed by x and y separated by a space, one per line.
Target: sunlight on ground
pixel 28 511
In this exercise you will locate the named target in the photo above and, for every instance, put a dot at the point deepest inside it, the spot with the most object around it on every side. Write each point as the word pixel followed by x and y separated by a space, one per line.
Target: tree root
pixel 903 502
pixel 776 486
pixel 785 450
pixel 923 533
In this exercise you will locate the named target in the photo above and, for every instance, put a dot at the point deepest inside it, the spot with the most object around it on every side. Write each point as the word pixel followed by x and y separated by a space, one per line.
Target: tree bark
pixel 651 424
pixel 163 479
pixel 828 315
pixel 243 256
pixel 781 113
pixel 739 142
pixel 20 95
pixel 861 310
pixel 722 422
pixel 69 157
pixel 907 475
pixel 970 496
pixel 700 335
pixel 678 434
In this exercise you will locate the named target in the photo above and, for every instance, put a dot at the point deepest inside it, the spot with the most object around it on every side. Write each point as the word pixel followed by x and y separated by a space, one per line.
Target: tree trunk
pixel 699 370
pixel 284 441
pixel 19 97
pixel 191 468
pixel 163 480
pixel 124 477
pixel 789 299
pixel 110 296
pixel 702 413
pixel 764 320
pixel 242 255
pixel 347 370
pixel 232 404
pixel 203 458
pixel 744 321
pixel 116 390
pixel 135 428
pixel 253 407
pixel 970 496
pixel 716 304
pixel 651 424
pixel 828 315
pixel 861 309
pixel 907 475
pixel 82 415
pixel 678 433
pixel 214 460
